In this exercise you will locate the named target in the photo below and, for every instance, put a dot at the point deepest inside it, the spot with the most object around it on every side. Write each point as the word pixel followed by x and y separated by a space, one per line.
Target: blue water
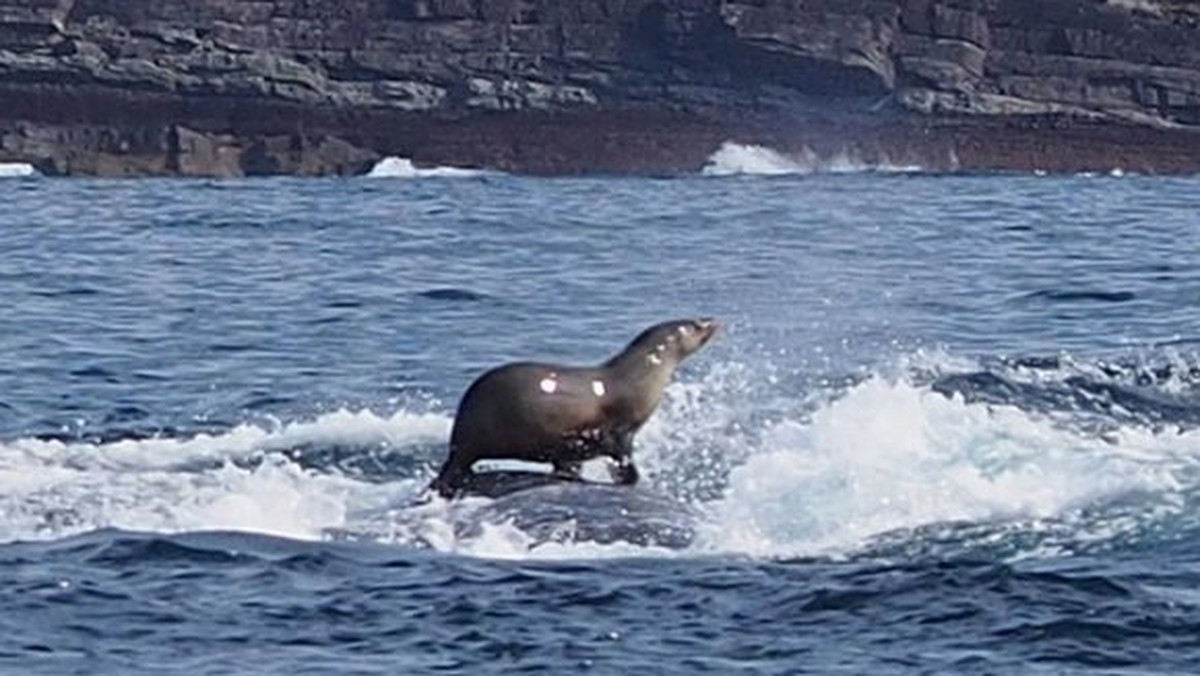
pixel 950 425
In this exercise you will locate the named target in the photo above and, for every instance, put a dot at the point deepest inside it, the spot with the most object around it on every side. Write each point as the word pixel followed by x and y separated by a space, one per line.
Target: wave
pixel 894 456
pixel 1115 172
pixel 874 464
pixel 400 167
pixel 735 159
pixel 288 480
pixel 17 170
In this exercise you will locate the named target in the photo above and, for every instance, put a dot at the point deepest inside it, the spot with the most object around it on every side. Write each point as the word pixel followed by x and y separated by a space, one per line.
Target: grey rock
pixel 231 87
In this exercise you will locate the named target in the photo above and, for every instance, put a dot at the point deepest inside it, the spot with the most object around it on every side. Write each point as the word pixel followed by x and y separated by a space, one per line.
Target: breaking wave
pixel 1007 455
pixel 295 479
pixel 400 167
pixel 17 170
pixel 733 159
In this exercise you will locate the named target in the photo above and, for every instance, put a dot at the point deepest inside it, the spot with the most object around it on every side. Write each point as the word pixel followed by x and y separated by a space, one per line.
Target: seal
pixel 566 415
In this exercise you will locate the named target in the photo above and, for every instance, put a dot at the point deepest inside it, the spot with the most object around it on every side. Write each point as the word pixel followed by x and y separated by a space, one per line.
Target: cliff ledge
pixel 239 87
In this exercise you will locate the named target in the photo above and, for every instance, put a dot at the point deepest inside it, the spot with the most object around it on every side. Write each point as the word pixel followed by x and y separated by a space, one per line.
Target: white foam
pixel 735 159
pixel 17 170
pixel 400 167
pixel 891 456
pixel 732 159
pixel 52 489
pixel 779 475
pixel 1148 6
pixel 506 541
pixel 344 427
pixel 885 456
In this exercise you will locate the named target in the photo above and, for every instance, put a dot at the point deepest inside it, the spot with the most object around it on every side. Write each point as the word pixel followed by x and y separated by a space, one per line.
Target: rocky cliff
pixel 232 87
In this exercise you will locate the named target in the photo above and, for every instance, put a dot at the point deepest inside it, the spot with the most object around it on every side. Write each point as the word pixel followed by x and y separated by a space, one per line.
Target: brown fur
pixel 507 414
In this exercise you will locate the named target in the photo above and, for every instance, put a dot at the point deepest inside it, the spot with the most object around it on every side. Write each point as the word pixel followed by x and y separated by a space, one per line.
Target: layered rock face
pixel 235 87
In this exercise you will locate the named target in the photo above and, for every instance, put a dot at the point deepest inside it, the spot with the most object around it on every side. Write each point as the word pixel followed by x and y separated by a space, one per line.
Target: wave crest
pixel 833 471
pixel 735 159
pixel 282 480
pixel 17 170
pixel 400 167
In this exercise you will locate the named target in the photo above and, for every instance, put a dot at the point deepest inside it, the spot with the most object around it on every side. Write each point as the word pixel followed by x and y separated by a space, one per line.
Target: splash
pixel 892 456
pixel 249 478
pixel 400 167
pixel 885 459
pixel 770 473
pixel 434 525
pixel 17 170
pixel 734 159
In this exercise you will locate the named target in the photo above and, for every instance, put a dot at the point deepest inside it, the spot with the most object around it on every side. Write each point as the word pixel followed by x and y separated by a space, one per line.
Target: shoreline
pixel 316 87
pixel 561 145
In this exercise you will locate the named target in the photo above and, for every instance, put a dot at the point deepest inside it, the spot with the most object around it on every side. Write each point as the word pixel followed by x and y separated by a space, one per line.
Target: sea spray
pixel 734 159
pixel 826 471
pixel 17 170
pixel 890 455
pixel 400 167
pixel 250 478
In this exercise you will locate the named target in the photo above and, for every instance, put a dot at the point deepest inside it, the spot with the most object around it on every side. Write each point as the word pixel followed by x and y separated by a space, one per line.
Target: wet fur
pixel 506 415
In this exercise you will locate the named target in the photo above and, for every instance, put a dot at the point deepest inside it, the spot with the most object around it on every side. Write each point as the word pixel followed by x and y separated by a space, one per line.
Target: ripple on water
pixel 183 358
pixel 1066 296
pixel 453 295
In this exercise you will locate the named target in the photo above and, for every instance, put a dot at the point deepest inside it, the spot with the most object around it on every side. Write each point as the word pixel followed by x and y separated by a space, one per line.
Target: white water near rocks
pixel 734 159
pixel 17 170
pixel 401 167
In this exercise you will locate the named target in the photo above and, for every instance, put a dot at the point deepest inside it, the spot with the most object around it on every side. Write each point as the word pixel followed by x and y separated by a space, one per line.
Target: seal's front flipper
pixel 623 472
pixel 450 479
pixel 622 469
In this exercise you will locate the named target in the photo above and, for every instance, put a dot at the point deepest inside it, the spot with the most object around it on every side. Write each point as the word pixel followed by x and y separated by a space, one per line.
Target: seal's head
pixel 670 342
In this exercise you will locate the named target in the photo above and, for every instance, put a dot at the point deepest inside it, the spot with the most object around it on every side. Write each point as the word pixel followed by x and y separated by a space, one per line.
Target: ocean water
pixel 949 426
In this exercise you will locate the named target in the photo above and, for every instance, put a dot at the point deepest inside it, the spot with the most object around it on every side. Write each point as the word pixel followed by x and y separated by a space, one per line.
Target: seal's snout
pixel 708 328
